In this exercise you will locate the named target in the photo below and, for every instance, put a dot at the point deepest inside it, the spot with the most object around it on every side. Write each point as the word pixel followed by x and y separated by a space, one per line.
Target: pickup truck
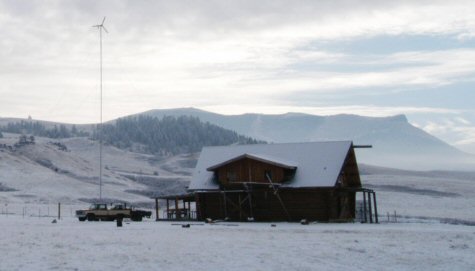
pixel 100 211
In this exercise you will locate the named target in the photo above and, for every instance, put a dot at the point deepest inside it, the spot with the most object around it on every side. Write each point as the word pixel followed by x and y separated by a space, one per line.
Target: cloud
pixel 454 128
pixel 227 56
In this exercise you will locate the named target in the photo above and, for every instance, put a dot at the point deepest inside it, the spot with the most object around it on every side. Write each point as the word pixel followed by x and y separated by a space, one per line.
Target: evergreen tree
pixel 74 130
pixel 169 135
pixel 38 129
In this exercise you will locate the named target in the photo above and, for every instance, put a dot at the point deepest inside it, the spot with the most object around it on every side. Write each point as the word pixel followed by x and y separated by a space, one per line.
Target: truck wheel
pixel 91 217
pixel 82 219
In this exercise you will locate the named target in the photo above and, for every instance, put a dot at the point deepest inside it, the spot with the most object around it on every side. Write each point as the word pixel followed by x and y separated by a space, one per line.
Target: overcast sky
pixel 374 58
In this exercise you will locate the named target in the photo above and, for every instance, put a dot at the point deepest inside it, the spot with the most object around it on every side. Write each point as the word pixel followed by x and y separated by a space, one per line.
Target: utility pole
pixel 100 27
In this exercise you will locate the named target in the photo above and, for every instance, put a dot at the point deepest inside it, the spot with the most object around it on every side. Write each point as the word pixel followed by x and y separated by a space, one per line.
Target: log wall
pixel 310 204
pixel 248 170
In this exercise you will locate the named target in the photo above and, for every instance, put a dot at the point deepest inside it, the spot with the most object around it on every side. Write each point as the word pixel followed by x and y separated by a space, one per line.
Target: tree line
pixel 36 128
pixel 169 135
pixel 146 134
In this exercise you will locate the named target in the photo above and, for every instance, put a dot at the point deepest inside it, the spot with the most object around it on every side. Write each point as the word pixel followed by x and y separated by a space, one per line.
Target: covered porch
pixel 367 209
pixel 178 207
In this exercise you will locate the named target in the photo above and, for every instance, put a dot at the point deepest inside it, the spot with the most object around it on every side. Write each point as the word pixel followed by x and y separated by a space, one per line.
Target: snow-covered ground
pixel 418 196
pixel 43 173
pixel 32 243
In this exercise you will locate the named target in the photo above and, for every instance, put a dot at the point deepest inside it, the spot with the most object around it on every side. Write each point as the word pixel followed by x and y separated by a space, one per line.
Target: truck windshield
pixel 98 207
pixel 118 207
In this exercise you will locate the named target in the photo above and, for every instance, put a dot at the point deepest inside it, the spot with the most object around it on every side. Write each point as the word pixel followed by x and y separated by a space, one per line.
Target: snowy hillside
pixel 67 171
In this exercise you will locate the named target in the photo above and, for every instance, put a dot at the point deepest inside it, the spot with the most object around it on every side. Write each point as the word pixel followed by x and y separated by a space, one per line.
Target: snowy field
pixel 32 243
pixel 35 178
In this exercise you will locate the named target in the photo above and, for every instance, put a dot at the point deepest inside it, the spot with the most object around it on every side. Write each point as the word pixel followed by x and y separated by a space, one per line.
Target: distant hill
pixel 66 170
pixel 146 134
pixel 395 141
pixel 43 128
pixel 168 135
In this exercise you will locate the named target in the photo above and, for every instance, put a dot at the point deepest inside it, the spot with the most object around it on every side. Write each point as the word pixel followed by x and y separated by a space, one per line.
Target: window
pixel 231 176
pixel 267 175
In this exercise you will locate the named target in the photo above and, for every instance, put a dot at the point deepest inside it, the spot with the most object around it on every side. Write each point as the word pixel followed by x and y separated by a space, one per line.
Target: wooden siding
pixel 315 204
pixel 248 170
pixel 311 204
pixel 349 176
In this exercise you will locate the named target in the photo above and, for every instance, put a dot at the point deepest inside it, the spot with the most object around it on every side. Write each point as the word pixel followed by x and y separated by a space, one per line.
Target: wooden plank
pixel 375 208
pixel 364 207
pixel 370 210
pixel 156 210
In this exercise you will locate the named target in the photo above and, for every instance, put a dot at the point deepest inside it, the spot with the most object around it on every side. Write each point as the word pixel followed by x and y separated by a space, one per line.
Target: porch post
pixel 189 209
pixel 250 204
pixel 370 209
pixel 364 207
pixel 156 209
pixel 225 205
pixel 168 209
pixel 176 208
pixel 375 208
pixel 240 206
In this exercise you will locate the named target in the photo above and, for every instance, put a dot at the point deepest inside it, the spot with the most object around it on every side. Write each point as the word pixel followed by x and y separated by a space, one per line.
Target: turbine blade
pixel 103 27
pixel 103 20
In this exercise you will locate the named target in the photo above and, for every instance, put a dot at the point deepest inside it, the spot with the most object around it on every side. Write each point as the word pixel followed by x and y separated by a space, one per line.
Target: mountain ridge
pixel 395 141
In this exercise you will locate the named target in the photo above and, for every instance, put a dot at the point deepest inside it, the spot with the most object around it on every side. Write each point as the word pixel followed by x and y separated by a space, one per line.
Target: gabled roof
pixel 319 163
pixel 257 157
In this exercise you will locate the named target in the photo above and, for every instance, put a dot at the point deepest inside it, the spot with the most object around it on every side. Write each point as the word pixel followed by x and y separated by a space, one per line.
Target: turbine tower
pixel 100 27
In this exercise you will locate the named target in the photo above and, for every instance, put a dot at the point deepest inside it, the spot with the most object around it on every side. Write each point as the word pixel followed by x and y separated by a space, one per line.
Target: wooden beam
pixel 168 208
pixel 362 146
pixel 199 206
pixel 250 202
pixel 375 208
pixel 156 209
pixel 176 208
pixel 276 193
pixel 189 209
pixel 225 206
pixel 369 207
pixel 364 207
pixel 239 206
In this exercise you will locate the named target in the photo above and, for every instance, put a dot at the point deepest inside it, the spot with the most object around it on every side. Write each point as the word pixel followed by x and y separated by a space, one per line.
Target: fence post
pixel 59 210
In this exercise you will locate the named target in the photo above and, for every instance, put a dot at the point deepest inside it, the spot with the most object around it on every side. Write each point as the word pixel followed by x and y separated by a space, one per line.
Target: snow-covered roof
pixel 262 158
pixel 319 163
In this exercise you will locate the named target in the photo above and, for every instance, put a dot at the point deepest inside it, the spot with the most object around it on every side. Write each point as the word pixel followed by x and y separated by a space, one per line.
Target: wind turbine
pixel 100 27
